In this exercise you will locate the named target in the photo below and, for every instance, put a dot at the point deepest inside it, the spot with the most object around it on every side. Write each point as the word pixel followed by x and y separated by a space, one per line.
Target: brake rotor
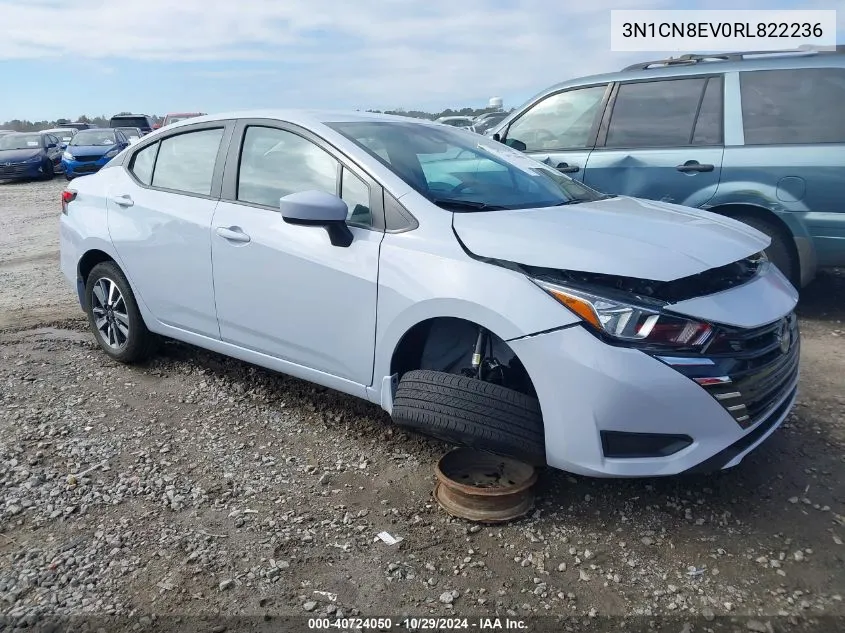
pixel 483 487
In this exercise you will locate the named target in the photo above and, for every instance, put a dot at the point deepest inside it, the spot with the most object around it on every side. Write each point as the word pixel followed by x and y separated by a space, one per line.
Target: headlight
pixel 627 322
pixel 112 153
pixel 67 156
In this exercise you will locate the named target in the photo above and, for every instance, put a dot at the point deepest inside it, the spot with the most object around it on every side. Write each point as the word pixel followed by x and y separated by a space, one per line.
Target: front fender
pixel 415 286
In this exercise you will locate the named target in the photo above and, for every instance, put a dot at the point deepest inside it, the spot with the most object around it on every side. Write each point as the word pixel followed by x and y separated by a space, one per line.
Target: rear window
pixel 793 106
pixel 134 121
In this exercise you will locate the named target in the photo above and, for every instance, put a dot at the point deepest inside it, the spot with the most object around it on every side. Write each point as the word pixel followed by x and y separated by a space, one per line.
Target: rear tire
pixel 114 317
pixel 471 412
pixel 779 251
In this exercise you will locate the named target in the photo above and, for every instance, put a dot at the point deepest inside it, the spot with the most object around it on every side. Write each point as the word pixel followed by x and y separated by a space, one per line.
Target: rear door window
pixel 793 106
pixel 663 113
pixel 186 161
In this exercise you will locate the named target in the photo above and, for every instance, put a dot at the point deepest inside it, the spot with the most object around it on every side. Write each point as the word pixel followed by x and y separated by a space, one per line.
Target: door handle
pixel 124 200
pixel 564 168
pixel 693 166
pixel 233 234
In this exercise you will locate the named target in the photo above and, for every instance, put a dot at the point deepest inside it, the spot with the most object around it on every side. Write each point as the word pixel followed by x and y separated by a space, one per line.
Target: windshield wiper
pixel 604 196
pixel 471 205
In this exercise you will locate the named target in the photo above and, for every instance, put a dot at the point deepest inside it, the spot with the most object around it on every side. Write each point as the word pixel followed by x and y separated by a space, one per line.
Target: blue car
pixel 91 150
pixel 29 155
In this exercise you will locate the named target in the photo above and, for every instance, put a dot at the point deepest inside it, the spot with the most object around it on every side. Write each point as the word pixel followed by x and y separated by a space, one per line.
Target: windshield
pixel 131 132
pixel 462 171
pixel 94 137
pixel 176 119
pixel 63 135
pixel 20 141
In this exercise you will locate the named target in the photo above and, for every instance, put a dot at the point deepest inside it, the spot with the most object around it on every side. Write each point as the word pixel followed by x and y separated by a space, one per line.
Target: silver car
pixel 474 293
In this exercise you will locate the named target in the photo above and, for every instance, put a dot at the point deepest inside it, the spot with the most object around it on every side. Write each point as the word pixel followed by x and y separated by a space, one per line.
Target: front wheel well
pixel 447 344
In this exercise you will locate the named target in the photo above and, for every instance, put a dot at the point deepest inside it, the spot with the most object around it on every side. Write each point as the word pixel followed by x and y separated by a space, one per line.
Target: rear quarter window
pixel 793 106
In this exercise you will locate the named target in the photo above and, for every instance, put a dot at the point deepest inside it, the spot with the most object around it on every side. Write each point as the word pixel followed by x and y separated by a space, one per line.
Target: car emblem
pixel 7 164
pixel 784 336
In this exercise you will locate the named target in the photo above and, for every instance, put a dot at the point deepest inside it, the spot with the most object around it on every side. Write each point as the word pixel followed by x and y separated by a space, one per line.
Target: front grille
pixel 84 169
pixel 763 367
pixel 86 159
pixel 13 170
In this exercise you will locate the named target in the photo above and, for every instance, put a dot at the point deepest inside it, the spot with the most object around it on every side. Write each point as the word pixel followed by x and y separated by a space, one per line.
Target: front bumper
pixel 75 168
pixel 590 391
pixel 21 171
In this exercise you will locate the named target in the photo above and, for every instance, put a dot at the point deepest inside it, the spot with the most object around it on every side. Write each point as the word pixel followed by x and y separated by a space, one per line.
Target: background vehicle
pixel 456 121
pixel 133 134
pixel 487 121
pixel 90 150
pixel 78 125
pixel 140 121
pixel 175 117
pixel 476 294
pixel 759 137
pixel 65 135
pixel 25 155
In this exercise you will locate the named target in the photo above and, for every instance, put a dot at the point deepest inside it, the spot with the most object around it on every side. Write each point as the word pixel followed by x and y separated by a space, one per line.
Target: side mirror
pixel 51 146
pixel 317 208
pixel 517 145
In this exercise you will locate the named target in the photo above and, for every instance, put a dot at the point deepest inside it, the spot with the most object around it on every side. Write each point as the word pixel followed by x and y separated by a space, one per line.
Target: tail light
pixel 68 196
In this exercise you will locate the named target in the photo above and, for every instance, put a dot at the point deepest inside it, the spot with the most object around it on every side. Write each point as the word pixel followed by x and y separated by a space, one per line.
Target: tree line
pixel 102 120
pixel 23 125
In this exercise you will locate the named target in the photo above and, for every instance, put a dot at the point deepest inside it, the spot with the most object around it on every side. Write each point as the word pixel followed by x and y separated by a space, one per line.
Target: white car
pixel 475 294
pixel 465 122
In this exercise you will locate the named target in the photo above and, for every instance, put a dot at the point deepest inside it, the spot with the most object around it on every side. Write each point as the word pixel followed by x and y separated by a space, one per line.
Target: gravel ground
pixel 197 485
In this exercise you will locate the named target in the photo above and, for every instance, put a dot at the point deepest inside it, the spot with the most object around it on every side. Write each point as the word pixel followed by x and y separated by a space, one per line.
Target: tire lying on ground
pixel 472 413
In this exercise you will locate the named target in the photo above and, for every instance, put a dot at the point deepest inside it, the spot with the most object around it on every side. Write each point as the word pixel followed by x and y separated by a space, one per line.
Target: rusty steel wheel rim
pixel 483 487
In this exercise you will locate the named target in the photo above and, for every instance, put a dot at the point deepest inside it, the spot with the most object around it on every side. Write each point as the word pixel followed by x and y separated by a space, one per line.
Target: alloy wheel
pixel 111 317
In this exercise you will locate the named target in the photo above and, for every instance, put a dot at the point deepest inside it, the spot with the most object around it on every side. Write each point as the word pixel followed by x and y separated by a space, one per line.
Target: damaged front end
pixel 641 312
pixel 705 283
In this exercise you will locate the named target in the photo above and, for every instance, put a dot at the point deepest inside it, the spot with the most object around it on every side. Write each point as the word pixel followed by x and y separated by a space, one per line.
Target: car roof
pixel 708 64
pixel 130 116
pixel 305 117
pixel 98 129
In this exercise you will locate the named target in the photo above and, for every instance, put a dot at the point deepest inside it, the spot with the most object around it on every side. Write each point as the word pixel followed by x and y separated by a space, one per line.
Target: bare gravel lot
pixel 197 485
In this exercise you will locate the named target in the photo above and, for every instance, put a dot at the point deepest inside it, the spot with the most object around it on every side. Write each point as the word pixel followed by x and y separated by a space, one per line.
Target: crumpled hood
pixel 89 150
pixel 17 155
pixel 616 236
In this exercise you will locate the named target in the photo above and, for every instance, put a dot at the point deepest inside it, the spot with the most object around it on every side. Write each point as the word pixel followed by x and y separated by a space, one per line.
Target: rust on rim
pixel 484 487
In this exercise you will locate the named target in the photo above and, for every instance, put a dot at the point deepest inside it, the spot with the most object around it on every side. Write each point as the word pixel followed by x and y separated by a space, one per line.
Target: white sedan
pixel 475 294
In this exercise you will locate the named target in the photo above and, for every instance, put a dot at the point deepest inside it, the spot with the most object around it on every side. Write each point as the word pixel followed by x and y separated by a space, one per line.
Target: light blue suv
pixel 759 137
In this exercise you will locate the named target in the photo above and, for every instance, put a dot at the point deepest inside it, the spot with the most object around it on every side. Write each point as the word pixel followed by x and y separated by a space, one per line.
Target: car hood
pixel 17 155
pixel 616 236
pixel 90 150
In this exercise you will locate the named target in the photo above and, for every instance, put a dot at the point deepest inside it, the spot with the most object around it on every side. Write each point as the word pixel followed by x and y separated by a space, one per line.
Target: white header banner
pixel 720 31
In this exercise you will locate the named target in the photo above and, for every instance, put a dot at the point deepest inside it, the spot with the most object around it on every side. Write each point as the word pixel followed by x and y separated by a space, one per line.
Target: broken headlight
pixel 625 321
